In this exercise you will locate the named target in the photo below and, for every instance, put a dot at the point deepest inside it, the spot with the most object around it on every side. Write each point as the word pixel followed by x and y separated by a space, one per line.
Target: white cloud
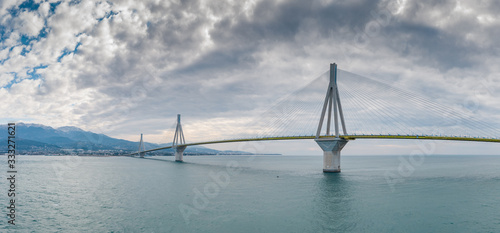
pixel 29 24
pixel 6 79
pixel 224 61
pixel 44 9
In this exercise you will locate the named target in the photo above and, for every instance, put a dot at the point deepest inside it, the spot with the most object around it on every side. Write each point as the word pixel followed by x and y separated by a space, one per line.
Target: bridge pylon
pixel 179 141
pixel 331 144
pixel 141 148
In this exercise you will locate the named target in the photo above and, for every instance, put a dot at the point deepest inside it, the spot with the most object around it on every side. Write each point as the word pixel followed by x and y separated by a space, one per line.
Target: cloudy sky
pixel 128 67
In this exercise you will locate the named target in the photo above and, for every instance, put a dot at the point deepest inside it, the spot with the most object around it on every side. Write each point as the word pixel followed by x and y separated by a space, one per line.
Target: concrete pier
pixel 179 153
pixel 178 141
pixel 141 148
pixel 331 153
pixel 332 144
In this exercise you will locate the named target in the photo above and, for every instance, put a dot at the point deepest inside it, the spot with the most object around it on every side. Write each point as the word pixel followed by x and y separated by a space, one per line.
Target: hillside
pixel 41 139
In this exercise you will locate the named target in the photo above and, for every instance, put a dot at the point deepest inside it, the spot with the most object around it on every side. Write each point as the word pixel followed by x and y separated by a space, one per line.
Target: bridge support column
pixel 141 148
pixel 331 153
pixel 179 153
pixel 178 141
pixel 331 144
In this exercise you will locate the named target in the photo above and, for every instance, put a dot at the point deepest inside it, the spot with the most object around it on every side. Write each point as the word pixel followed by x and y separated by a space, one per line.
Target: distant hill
pixel 41 139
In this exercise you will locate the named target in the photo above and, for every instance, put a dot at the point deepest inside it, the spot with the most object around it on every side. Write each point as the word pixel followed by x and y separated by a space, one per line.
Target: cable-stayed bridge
pixel 369 110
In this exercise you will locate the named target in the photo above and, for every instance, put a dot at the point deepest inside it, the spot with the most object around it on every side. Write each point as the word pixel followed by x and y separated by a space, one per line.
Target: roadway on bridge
pixel 348 137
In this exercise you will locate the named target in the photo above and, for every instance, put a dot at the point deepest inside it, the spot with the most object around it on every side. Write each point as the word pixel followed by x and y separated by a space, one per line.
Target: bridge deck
pixel 348 137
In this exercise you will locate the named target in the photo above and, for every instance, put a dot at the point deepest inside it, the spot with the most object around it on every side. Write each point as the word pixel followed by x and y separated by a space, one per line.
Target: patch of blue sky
pixel 5 31
pixel 33 75
pixel 66 52
pixel 53 7
pixel 7 58
pixel 43 33
pixel 33 72
pixel 26 50
pixel 30 5
pixel 108 15
pixel 74 2
pixel 26 40
pixel 4 34
pixel 13 81
pixel 14 11
pixel 3 60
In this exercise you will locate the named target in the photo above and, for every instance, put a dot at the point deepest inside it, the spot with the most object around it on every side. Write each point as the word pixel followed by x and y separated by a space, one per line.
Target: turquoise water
pixel 255 194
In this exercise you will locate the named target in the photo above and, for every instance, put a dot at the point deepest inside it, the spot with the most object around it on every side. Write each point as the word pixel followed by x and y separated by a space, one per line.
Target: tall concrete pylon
pixel 331 144
pixel 141 148
pixel 178 140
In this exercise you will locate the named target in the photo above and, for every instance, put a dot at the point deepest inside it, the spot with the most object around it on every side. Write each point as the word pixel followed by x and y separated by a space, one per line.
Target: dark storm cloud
pixel 141 60
pixel 433 34
pixel 273 23
pixel 429 46
pixel 172 40
pixel 238 38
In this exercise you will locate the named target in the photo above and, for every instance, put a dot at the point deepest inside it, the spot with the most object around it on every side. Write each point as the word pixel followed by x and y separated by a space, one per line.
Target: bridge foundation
pixel 141 148
pixel 331 144
pixel 331 153
pixel 179 153
pixel 178 141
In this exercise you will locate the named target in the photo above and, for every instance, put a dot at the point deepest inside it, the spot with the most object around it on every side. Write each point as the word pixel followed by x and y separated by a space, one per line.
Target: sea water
pixel 254 194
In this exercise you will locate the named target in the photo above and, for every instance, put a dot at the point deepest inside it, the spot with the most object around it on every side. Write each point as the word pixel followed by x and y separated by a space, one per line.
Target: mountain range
pixel 41 139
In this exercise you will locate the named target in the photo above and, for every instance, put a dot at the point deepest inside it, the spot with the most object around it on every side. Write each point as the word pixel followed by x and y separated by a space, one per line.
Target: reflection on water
pixel 333 204
pixel 268 194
